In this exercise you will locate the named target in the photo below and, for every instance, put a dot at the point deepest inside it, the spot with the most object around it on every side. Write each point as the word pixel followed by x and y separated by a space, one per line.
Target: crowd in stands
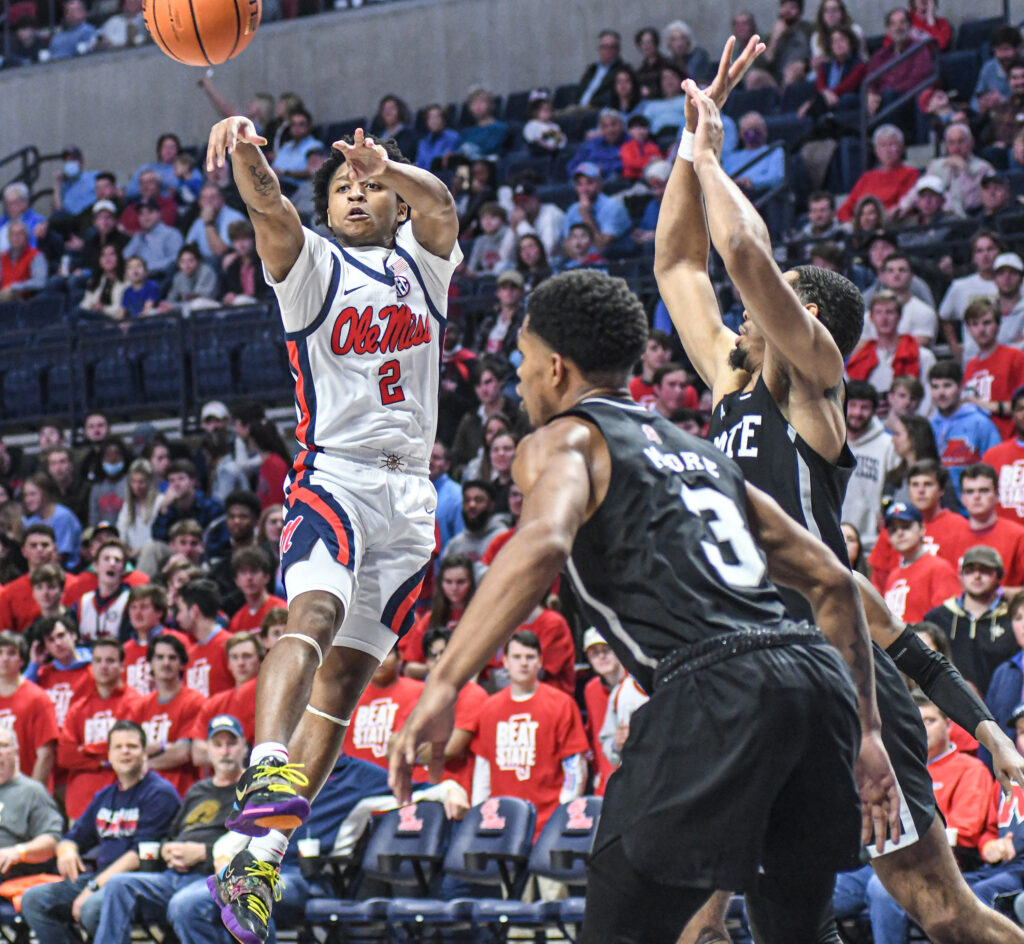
pixel 141 578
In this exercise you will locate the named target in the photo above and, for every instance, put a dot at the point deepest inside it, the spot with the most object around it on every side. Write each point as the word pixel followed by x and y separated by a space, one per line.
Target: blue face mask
pixel 72 169
pixel 113 468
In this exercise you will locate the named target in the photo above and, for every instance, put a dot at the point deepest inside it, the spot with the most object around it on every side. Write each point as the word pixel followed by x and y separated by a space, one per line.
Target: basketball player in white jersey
pixel 364 319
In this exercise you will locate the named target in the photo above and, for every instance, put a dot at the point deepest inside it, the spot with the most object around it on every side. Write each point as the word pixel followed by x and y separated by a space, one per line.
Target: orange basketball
pixel 202 32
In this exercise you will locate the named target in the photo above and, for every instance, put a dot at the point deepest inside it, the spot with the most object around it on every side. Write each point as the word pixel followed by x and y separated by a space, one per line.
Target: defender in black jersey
pixel 778 394
pixel 739 770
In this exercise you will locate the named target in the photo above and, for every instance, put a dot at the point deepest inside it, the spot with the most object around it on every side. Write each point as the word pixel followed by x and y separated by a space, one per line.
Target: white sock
pixel 269 848
pixel 266 751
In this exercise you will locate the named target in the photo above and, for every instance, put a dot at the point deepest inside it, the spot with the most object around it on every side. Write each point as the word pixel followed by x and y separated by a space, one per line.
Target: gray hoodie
pixel 876 457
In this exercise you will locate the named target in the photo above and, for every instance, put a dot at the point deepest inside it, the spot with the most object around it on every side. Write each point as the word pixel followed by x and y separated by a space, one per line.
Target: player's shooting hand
pixel 430 723
pixel 365 158
pixel 709 134
pixel 226 135
pixel 880 801
pixel 728 76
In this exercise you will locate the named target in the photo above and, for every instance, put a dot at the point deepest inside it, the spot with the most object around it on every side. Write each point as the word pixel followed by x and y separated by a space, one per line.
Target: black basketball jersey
pixel 668 559
pixel 750 429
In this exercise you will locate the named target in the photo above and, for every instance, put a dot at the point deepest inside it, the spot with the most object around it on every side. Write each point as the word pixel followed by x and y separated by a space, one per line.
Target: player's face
pixel 60 644
pixel 363 213
pixel 984 329
pixel 936 728
pixel 165 664
pixel 455 586
pixel 523 664
pixel 945 393
pixel 126 755
pixel 536 382
pixel 979 580
pixel 106 665
pixel 143 615
pixel 748 354
pixel 47 595
pixel 244 662
pixel 925 492
pixel 905 535
pixel 978 496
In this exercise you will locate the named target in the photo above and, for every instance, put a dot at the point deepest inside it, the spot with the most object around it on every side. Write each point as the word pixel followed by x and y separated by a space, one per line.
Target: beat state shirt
pixel 379 713
pixel 913 590
pixel 30 714
pixel 167 722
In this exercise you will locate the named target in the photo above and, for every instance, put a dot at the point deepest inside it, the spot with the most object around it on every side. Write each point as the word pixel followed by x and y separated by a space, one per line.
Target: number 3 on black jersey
pixel 390 374
pixel 729 531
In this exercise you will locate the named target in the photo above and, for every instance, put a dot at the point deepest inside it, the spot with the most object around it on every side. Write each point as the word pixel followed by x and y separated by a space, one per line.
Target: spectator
pixel 998 210
pixel 977 622
pixel 891 180
pixel 603 149
pixel 486 136
pixel 579 250
pixel 184 500
pixel 531 217
pixel 991 377
pixel 925 22
pixel 832 15
pixel 168 712
pixel 890 354
pixel 127 28
pixel 23 269
pixel 624 700
pixel 541 133
pixel 821 224
pixel 962 431
pixel 558 651
pixel 993 85
pixel 648 74
pixel 1009 272
pixel 32 826
pixel 482 525
pixel 198 606
pixel 18 608
pixel 684 55
pixel 978 494
pixel 625 97
pixel 488 380
pixel 381 710
pixel 48 584
pixel 497 469
pixel 103 232
pixel 104 292
pixel 93 539
pixel 254 570
pixel 97 704
pixel 761 167
pixel 606 216
pixel 596 83
pixel 77 36
pixel 873 448
pixel 136 806
pixel 109 487
pixel 529 738
pixel 135 519
pixel 239 524
pixel 39 497
pixel 985 248
pixel 225 474
pixel 275 463
pixel 1005 118
pixel 151 189
pixel 672 390
pixel 1008 460
pixel 209 232
pixel 167 148
pixel 532 260
pixel 608 672
pixel 273 626
pixel 74 188
pixel 456 584
pixel 27 710
pixel 499 331
pixel 921 581
pixel 839 75
pixel 924 222
pixel 666 113
pixel 789 44
pixel 243 281
pixel 438 142
pixel 187 849
pixel 945 532
pixel 960 170
pixel 917 317
pixel 290 158
pixel 657 354
pixel 639 151
pixel 194 285
pixel 70 490
pixel 866 224
pixel 17 207
pixel 449 495
pixel 61 665
pixel 103 613
pixel 906 76
pixel 494 249
pixel 156 243
pixel 147 610
pixel 394 120
pixel 26 43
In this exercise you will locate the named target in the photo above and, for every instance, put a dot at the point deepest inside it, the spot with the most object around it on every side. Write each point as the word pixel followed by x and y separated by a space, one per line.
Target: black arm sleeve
pixel 939 680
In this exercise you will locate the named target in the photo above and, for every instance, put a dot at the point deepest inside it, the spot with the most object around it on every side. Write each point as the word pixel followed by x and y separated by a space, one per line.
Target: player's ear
pixel 403 212
pixel 812 307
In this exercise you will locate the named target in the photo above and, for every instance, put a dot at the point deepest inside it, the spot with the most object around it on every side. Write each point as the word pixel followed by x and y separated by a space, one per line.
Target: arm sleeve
pixel 939 680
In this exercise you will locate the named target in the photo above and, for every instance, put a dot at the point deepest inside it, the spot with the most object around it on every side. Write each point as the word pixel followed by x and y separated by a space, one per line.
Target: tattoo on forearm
pixel 262 181
pixel 861 665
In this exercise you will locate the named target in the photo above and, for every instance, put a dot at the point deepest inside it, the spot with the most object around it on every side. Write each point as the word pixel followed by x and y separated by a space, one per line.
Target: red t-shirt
pixel 913 590
pixel 82 747
pixel 239 702
pixel 29 712
pixel 595 696
pixel 467 706
pixel 207 670
pixel 1007 537
pixel 137 674
pixel 963 791
pixel 79 585
pixel 169 722
pixel 18 608
pixel 996 378
pixel 557 649
pixel 60 686
pixel 944 535
pixel 496 545
pixel 379 713
pixel 1008 460
pixel 410 646
pixel 641 391
pixel 245 620
pixel 525 741
pixel 270 480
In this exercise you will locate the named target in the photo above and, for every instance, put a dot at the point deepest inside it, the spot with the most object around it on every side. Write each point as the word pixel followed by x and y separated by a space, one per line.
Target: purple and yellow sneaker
pixel 246 891
pixel 266 799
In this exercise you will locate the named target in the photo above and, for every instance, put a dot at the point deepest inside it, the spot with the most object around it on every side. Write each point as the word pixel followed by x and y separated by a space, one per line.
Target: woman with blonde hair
pixel 135 519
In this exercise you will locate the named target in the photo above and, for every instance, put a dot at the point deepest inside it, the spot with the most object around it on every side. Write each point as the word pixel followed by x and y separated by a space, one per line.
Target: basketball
pixel 202 32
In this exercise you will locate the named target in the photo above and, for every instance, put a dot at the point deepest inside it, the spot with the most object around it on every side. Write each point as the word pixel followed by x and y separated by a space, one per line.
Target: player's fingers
pixel 726 60
pixel 436 768
pixel 879 824
pixel 342 146
pixel 357 138
pixel 865 824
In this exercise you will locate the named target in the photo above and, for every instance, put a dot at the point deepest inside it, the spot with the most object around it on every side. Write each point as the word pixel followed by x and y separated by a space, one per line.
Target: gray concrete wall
pixel 114 105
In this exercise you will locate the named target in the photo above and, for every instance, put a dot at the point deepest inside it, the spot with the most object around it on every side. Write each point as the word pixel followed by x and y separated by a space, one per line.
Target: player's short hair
pixel 592 319
pixel 253 558
pixel 980 470
pixel 243 637
pixel 930 467
pixel 50 574
pixel 840 304
pixel 166 639
pixel 326 171
pixel 152 592
pixel 947 370
pixel 979 307
pixel 127 726
pixel 525 638
pixel 203 594
pixel 861 390
pixel 12 640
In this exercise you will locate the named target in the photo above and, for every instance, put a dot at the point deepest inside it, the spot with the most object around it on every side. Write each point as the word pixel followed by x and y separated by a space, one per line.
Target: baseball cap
pixel 72 151
pixel 984 555
pixel 524 189
pixel 100 205
pixel 591 637
pixel 930 182
pixel 898 511
pixel 215 409
pixel 995 178
pixel 511 275
pixel 588 169
pixel 148 205
pixel 224 723
pixel 1008 260
pixel 1018 713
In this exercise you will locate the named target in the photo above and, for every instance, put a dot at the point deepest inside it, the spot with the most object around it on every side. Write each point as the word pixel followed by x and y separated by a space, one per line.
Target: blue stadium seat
pixel 23 393
pixel 42 311
pixel 60 388
pixel 563 195
pixel 517 106
pixel 789 128
pixel 974 34
pixel 114 383
pixel 565 95
pixel 518 162
pixel 161 375
pixel 262 370
pixel 211 372
pixel 338 129
pixel 958 71
pixel 13 927
pixel 793 96
pixel 10 315
pixel 577 126
pixel 740 101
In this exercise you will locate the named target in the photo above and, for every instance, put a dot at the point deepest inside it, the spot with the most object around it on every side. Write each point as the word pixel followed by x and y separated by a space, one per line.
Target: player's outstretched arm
pixel 553 470
pixel 799 560
pixel 741 238
pixel 942 683
pixel 681 249
pixel 277 225
pixel 435 223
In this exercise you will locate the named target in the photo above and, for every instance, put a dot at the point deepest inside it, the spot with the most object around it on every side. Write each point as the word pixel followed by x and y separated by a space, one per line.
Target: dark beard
pixel 739 359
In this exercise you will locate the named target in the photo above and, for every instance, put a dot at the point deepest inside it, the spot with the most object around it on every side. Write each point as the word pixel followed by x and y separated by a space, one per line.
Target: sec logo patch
pixel 401 286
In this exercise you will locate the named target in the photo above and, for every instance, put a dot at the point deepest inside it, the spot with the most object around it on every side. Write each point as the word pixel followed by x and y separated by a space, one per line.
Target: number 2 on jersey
pixel 390 374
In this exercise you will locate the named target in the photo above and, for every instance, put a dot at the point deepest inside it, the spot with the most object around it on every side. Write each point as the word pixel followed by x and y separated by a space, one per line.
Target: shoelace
pixel 268 873
pixel 290 773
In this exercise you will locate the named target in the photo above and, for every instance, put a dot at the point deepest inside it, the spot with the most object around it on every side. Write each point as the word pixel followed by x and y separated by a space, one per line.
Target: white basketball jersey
pixel 364 330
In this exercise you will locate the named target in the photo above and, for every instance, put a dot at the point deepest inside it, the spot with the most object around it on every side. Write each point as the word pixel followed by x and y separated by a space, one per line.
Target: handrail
pixel 869 121
pixel 772 191
pixel 29 158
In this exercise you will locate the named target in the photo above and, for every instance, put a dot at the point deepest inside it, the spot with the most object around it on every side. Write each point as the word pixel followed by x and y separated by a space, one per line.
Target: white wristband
pixel 685 152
